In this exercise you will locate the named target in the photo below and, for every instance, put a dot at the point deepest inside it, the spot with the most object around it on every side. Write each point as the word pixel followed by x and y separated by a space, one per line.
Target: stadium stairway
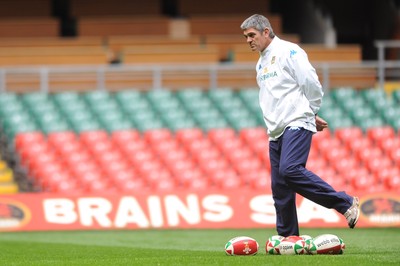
pixel 157 140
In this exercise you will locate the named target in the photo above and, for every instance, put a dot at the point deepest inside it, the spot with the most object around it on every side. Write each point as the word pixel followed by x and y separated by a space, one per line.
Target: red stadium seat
pixel 57 139
pixel 221 134
pixel 393 183
pixel 172 156
pixel 82 167
pixel 343 164
pixel 348 134
pixel 316 163
pixel 139 157
pixel 389 144
pixel 230 145
pixel 122 137
pixel 378 133
pixel 238 154
pixel 165 146
pixel 80 156
pixel 324 145
pixel 186 176
pixel 367 153
pixel 199 145
pixel 179 166
pixel 156 136
pixel 199 184
pixel 131 185
pixel 60 182
pixel 376 164
pixel 132 147
pixel 95 136
pixel 260 180
pixel 225 178
pixel 335 153
pixel 30 151
pixel 394 154
pixel 212 165
pixel 68 147
pixel 321 136
pixel 246 165
pixel 25 139
pixel 251 135
pixel 188 135
pixel 358 144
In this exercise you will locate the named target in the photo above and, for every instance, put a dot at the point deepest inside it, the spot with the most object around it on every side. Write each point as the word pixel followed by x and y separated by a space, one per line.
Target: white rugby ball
pixel 326 244
pixel 241 245
pixel 292 245
pixel 272 244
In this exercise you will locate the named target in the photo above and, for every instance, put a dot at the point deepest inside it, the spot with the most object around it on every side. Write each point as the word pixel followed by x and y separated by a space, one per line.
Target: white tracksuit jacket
pixel 290 92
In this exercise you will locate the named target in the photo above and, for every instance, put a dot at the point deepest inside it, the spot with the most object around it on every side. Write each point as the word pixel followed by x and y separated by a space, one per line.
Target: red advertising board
pixel 178 209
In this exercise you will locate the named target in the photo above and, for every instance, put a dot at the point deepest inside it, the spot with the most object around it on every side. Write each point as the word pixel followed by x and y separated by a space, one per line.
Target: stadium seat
pixel 348 134
pixel 92 137
pixel 396 95
pixel 378 133
pixel 26 139
pixel 156 136
pixel 187 135
pixel 122 137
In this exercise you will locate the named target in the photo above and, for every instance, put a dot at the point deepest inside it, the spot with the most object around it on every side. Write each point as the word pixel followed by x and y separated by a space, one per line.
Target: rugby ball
pixel 271 246
pixel 292 245
pixel 326 244
pixel 241 246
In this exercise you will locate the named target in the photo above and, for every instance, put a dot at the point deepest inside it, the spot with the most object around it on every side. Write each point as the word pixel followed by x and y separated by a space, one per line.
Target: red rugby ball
pixel 241 246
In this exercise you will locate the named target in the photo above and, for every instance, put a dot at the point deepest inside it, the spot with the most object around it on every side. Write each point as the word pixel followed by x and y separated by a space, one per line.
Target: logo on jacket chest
pixel 265 74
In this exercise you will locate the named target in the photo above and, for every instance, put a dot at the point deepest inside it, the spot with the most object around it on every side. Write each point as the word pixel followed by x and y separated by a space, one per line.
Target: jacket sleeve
pixel 307 78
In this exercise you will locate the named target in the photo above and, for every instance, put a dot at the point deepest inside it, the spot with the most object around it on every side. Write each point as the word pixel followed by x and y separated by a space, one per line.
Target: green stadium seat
pixel 198 105
pixel 353 103
pixel 396 95
pixel 8 98
pixel 358 114
pixel 189 95
pixel 342 93
pixel 160 95
pixel 370 122
pixel 11 107
pixel 18 121
pixel 219 94
pixel 128 97
pixel 146 120
pixel 66 97
pixel 35 98
pixel 93 97
pixel 370 95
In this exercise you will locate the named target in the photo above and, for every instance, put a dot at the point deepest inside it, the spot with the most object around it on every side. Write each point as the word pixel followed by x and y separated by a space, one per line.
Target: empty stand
pixel 29 27
pixel 53 56
pixel 163 157
pixel 91 8
pixel 228 24
pixel 190 54
pixel 223 8
pixel 119 25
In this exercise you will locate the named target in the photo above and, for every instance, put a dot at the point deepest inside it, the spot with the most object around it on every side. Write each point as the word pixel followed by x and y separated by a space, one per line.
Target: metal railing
pixel 213 72
pixel 381 45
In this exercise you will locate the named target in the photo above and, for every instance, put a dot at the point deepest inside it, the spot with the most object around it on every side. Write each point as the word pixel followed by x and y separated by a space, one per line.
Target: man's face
pixel 258 41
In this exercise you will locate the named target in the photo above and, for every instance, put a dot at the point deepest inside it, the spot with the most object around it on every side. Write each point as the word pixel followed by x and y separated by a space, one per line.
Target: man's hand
pixel 321 123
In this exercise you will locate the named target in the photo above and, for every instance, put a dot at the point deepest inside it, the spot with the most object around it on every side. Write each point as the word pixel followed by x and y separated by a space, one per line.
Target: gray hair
pixel 258 22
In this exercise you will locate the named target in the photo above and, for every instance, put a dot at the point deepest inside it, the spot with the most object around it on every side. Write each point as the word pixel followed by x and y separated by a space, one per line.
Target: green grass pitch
pixel 372 246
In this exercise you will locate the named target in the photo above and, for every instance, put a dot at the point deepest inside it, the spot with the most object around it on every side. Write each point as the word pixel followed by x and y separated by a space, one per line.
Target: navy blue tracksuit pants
pixel 288 156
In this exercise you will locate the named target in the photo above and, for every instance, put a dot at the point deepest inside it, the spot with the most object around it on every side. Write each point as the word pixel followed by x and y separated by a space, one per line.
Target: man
pixel 290 97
